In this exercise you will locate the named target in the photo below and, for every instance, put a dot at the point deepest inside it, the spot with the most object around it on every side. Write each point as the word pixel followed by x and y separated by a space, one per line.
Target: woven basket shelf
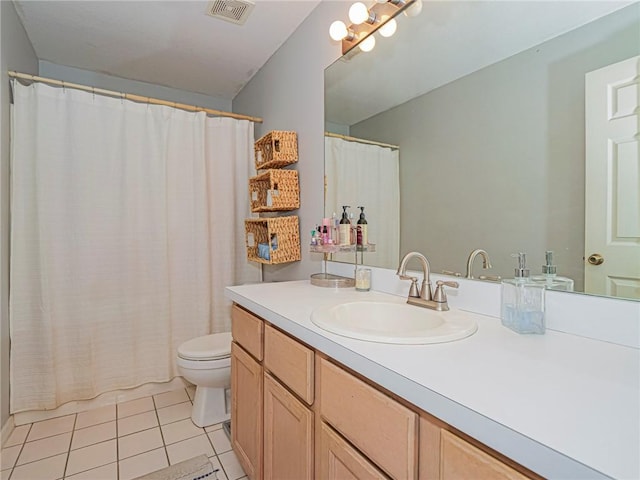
pixel 274 191
pixel 276 149
pixel 279 236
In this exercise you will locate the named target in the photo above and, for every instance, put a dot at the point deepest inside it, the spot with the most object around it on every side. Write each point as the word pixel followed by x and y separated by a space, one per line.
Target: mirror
pixel 486 102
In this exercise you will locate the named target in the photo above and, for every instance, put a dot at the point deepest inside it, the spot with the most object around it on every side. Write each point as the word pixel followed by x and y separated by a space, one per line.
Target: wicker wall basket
pixel 274 190
pixel 276 149
pixel 272 240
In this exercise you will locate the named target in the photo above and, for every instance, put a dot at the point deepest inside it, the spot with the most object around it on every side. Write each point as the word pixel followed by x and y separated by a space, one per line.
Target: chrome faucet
pixel 422 297
pixel 486 263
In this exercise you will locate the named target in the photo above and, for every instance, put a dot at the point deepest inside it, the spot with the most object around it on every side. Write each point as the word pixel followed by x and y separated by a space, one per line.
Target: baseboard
pixel 7 428
pixel 107 398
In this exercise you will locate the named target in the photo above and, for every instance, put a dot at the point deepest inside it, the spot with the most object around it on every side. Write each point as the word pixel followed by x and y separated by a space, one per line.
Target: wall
pixel 288 93
pixel 16 53
pixel 109 82
pixel 510 135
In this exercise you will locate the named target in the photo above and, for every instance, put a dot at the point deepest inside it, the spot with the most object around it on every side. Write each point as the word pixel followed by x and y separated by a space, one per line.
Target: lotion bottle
pixel 362 234
pixel 522 301
pixel 550 279
pixel 345 227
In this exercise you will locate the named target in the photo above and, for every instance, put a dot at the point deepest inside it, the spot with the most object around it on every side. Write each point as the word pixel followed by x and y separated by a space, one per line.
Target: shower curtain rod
pixel 361 140
pixel 132 97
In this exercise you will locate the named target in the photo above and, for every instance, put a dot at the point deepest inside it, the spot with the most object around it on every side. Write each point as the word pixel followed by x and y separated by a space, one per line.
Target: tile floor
pixel 117 442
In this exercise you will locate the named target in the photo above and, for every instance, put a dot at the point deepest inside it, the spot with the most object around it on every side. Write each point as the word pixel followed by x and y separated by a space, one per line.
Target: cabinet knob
pixel 595 259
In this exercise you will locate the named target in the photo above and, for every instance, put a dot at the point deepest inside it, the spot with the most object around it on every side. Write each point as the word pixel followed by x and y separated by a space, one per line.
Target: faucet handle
pixel 439 295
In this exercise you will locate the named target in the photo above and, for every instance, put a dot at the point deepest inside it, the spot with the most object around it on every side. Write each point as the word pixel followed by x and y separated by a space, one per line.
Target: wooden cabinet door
pixel 288 434
pixel 460 459
pixel 340 461
pixel 246 411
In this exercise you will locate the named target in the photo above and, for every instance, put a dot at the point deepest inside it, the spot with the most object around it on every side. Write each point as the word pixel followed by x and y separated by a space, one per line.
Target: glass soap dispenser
pixel 522 301
pixel 550 279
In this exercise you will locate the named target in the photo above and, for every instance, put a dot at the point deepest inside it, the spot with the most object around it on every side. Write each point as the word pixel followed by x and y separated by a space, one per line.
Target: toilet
pixel 206 363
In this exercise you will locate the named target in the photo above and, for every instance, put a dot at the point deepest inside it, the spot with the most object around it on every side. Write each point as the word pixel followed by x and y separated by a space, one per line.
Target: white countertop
pixel 563 406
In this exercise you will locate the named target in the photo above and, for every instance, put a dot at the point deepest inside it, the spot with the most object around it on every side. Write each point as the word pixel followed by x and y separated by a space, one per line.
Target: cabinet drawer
pixel 290 361
pixel 247 330
pixel 383 429
pixel 460 459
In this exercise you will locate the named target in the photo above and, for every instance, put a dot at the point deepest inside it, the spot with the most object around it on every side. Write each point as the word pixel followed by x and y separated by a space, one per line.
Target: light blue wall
pixel 16 53
pixel 117 84
pixel 288 93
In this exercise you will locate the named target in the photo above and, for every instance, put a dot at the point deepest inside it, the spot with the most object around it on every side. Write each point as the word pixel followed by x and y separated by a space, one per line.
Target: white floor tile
pixel 137 423
pixel 8 456
pixel 50 468
pixel 96 416
pixel 48 428
pixel 46 447
pixel 177 431
pixel 133 407
pixel 220 441
pixel 189 448
pixel 176 412
pixel 140 442
pixel 216 464
pixel 143 464
pixel 91 457
pixel 171 398
pixel 106 472
pixel 95 434
pixel 4 474
pixel 231 465
pixel 191 391
pixel 18 436
pixel 213 428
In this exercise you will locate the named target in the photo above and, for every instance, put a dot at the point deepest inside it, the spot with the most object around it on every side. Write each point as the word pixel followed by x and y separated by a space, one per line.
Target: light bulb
pixel 338 30
pixel 414 10
pixel 389 28
pixel 368 43
pixel 358 13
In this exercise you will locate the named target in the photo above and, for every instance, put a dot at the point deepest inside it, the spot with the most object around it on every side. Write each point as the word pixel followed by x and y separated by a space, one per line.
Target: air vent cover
pixel 234 11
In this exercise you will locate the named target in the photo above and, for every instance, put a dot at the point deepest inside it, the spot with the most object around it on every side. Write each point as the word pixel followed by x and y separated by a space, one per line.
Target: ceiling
pixel 448 40
pixel 169 43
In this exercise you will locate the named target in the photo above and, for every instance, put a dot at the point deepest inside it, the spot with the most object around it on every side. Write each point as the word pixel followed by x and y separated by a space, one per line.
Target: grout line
pixel 164 444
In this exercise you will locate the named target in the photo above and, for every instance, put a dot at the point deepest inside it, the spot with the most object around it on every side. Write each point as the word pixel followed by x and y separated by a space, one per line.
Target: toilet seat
pixel 208 347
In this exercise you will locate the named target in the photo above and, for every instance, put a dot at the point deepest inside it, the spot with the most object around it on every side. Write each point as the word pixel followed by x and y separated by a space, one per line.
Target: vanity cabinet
pixel 298 414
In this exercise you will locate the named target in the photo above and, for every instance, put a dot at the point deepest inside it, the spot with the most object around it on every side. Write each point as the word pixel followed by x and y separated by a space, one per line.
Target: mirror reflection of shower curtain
pixel 366 175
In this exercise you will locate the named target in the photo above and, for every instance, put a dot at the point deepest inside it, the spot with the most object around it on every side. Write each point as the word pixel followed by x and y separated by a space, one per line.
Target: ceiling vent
pixel 234 11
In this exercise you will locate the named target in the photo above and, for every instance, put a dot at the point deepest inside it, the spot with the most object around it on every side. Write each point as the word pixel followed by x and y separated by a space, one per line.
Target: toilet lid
pixel 209 347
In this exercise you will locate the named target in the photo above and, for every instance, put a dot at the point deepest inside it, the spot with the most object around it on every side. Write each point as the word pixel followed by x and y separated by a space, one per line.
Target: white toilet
pixel 206 362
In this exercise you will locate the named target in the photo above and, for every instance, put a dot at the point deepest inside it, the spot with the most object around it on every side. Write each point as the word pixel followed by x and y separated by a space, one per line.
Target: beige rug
pixel 196 468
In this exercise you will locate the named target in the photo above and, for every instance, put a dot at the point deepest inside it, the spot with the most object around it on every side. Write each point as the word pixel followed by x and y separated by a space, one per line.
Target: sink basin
pixel 387 322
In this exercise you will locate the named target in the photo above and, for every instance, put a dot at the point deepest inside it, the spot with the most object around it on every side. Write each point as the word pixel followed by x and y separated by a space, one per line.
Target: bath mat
pixel 196 468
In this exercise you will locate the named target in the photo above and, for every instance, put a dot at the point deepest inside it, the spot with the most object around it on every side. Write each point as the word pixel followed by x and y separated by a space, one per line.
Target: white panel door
pixel 612 223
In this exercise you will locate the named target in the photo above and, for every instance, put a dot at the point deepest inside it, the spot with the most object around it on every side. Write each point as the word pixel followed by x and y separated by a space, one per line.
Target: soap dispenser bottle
pixel 344 227
pixel 362 226
pixel 550 279
pixel 522 301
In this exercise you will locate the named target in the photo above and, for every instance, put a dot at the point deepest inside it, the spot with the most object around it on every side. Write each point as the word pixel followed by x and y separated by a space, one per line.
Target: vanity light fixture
pixel 367 20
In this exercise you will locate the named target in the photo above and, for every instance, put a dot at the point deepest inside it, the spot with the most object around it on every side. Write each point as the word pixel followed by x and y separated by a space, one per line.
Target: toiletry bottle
pixel 314 239
pixel 345 227
pixel 522 301
pixel 352 239
pixel 362 238
pixel 549 278
pixel 325 235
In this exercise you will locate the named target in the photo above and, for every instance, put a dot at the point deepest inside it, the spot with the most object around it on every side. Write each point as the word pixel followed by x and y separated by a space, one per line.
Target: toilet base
pixel 209 407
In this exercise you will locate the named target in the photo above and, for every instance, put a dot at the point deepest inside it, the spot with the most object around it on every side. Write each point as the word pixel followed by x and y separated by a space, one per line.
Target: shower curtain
pixel 125 228
pixel 359 174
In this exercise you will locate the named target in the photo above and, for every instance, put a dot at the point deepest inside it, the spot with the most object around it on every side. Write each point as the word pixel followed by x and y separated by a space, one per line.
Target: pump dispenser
pixel 550 279
pixel 344 227
pixel 362 227
pixel 522 301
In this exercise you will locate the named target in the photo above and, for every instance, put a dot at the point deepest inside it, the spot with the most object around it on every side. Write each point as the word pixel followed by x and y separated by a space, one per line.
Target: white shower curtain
pixel 123 234
pixel 359 174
